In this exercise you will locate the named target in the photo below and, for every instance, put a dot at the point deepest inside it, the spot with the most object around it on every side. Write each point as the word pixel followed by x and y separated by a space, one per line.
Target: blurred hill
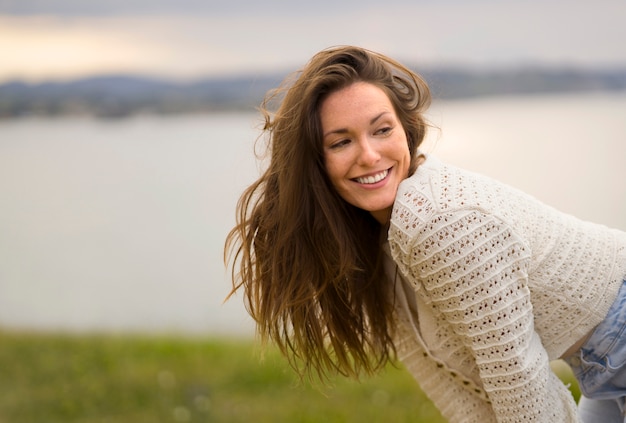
pixel 115 96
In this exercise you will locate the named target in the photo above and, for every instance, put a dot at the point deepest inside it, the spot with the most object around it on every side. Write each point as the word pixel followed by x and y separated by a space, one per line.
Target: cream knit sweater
pixel 492 286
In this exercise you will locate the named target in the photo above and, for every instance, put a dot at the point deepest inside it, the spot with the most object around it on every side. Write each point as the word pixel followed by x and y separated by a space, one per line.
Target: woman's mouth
pixel 373 178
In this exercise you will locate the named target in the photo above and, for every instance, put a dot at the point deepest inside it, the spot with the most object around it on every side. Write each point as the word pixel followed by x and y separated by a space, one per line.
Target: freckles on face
pixel 365 147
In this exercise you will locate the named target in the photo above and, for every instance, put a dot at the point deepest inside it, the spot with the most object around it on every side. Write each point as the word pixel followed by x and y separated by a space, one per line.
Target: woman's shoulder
pixel 438 190
pixel 424 195
pixel 447 187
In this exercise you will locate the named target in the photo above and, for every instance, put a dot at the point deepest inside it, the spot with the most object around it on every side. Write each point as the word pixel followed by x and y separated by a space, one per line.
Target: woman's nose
pixel 368 155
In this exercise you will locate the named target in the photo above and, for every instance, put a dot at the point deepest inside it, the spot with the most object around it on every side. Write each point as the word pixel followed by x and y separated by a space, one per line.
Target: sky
pixel 187 39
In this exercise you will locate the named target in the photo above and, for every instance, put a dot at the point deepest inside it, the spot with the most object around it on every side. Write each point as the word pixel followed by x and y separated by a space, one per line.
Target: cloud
pixel 110 7
pixel 193 7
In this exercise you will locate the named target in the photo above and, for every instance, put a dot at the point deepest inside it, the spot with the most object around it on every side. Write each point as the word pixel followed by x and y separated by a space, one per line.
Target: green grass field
pixel 114 379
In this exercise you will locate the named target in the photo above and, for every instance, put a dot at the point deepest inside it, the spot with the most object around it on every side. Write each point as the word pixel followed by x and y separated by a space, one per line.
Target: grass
pixel 117 379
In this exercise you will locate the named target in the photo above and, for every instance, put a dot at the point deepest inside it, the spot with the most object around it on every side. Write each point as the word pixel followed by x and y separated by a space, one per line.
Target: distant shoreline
pixel 120 96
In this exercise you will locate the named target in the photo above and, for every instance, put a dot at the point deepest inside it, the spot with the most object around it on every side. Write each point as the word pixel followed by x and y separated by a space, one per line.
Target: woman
pixel 354 247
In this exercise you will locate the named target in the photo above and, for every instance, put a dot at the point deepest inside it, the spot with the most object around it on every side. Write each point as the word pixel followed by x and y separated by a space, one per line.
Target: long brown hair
pixel 309 263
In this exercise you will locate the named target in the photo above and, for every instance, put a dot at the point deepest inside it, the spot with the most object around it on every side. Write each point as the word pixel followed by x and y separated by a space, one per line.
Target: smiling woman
pixel 355 247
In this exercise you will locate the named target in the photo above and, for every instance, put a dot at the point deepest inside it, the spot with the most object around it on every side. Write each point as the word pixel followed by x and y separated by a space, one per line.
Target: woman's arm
pixel 474 269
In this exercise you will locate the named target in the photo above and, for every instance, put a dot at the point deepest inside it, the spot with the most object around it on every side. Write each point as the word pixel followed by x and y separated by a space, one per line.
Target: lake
pixel 119 225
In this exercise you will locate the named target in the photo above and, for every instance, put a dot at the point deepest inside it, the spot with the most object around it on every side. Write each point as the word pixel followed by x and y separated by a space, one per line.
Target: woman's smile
pixel 373 179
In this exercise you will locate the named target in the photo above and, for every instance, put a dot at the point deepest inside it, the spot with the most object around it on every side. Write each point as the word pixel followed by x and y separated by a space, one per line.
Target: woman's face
pixel 365 147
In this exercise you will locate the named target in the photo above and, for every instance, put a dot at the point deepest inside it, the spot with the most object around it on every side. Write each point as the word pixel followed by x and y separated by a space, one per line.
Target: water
pixel 119 226
pixel 568 150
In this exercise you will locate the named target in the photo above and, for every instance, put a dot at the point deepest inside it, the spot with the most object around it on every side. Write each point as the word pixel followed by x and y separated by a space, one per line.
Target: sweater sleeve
pixel 441 384
pixel 474 270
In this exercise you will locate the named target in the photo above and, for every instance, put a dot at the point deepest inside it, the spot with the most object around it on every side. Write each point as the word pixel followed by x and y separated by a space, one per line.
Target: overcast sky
pixel 41 39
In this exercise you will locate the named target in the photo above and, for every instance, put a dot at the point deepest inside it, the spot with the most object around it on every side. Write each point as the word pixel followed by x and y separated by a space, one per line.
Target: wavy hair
pixel 309 263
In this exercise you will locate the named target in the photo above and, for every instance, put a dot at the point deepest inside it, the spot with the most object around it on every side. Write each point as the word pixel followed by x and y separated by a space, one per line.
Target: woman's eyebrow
pixel 344 130
pixel 373 121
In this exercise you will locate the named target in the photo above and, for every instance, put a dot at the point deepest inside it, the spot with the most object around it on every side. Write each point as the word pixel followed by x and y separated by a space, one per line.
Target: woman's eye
pixel 384 131
pixel 339 143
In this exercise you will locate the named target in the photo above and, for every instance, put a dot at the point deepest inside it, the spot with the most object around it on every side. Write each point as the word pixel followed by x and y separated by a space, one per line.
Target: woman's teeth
pixel 374 178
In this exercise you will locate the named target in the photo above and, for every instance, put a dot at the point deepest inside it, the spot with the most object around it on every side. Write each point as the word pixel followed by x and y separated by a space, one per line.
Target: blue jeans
pixel 600 367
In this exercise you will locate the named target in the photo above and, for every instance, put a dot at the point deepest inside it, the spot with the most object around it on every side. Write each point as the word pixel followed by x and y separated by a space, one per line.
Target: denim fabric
pixel 600 364
pixel 601 411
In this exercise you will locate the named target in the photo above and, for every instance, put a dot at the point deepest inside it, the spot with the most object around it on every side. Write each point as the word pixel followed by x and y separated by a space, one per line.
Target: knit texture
pixel 495 284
